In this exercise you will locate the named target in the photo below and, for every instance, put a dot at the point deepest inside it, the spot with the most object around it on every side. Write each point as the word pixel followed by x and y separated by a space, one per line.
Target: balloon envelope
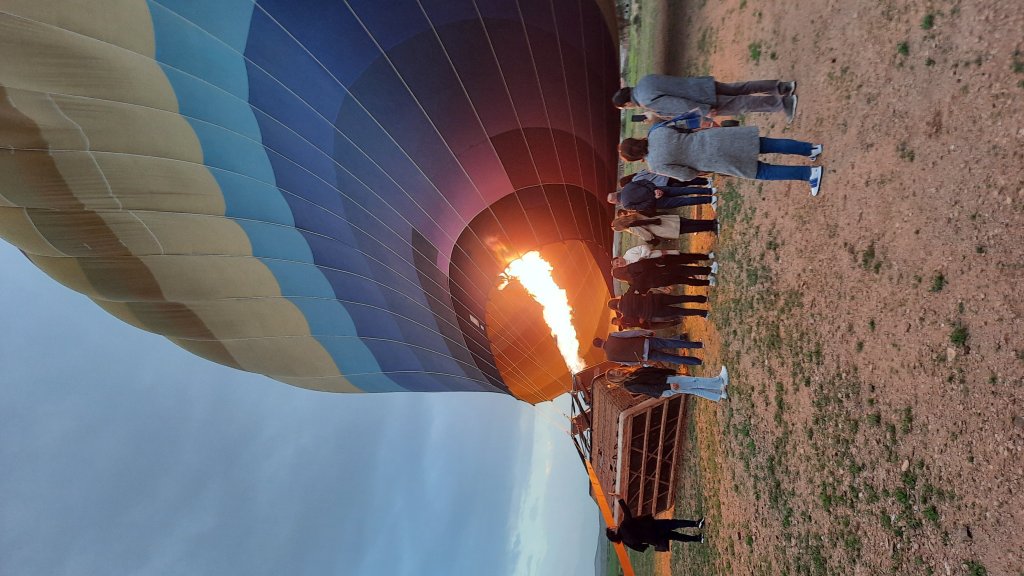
pixel 320 191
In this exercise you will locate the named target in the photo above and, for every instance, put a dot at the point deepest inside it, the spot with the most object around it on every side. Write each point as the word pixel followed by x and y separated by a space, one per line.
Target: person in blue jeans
pixel 684 154
pixel 635 347
pixel 647 198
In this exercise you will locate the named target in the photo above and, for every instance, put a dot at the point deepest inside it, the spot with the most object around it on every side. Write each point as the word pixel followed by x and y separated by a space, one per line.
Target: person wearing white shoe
pixel 663 257
pixel 665 382
pixel 815 180
pixel 730 151
pixel 669 96
pixel 640 532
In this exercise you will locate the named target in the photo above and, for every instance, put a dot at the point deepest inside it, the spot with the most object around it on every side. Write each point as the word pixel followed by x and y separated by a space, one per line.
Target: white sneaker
pixel 714 267
pixel 711 255
pixel 711 182
pixel 787 88
pixel 815 181
pixel 700 524
pixel 724 375
pixel 712 190
pixel 815 152
pixel 714 202
pixel 712 280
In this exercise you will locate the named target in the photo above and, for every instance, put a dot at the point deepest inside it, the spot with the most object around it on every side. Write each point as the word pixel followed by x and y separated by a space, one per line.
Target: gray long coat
pixel 670 96
pixel 731 151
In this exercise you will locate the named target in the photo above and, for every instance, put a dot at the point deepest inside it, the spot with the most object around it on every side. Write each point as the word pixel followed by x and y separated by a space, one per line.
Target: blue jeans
pixel 656 346
pixel 707 388
pixel 671 343
pixel 683 191
pixel 666 201
pixel 785 146
pixel 657 356
pixel 767 171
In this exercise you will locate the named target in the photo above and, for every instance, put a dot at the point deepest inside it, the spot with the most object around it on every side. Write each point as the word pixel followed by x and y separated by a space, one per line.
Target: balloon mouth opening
pixel 545 309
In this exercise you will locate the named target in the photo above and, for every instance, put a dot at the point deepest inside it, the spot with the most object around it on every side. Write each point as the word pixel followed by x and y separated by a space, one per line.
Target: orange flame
pixel 534 273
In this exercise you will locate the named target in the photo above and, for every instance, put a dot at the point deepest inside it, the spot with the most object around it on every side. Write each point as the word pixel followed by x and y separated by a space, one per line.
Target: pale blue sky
pixel 122 454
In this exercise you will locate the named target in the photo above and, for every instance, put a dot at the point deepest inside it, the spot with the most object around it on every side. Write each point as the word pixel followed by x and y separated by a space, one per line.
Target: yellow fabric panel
pixel 117 127
pixel 190 234
pixel 110 233
pixel 300 357
pixel 229 319
pixel 18 229
pixel 41 58
pixel 180 278
pixel 125 23
pixel 108 279
pixel 194 278
pixel 138 183
pixel 74 123
pixel 66 271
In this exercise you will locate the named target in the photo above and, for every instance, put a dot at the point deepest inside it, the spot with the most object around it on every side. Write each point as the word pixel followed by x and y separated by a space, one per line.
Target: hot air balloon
pixel 324 192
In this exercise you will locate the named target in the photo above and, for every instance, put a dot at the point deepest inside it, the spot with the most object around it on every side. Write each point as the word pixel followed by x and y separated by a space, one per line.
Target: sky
pixel 120 453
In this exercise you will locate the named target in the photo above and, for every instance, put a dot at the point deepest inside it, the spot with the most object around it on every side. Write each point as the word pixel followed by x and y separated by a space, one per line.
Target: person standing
pixel 671 96
pixel 638 346
pixel 647 198
pixel 655 307
pixel 640 532
pixel 645 252
pixel 665 382
pixel 660 180
pixel 683 154
pixel 645 275
pixel 667 226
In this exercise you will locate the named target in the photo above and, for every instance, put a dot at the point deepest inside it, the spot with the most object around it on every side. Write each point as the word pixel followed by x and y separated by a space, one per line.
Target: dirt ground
pixel 874 334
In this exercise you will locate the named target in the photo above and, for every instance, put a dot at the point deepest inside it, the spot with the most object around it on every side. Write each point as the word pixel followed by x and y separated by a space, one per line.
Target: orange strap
pixel 609 519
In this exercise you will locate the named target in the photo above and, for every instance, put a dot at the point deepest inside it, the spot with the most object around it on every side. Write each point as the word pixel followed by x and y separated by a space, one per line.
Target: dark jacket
pixel 639 305
pixel 641 531
pixel 643 275
pixel 649 381
pixel 625 346
pixel 639 196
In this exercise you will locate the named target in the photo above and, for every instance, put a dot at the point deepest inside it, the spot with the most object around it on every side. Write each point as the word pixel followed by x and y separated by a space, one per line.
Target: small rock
pixel 965 534
pixel 950 354
pixel 905 466
pixel 1018 421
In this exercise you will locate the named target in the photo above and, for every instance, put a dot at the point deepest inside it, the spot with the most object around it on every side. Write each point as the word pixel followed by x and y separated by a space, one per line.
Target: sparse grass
pixel 931 514
pixel 928 22
pixel 754 50
pixel 871 324
pixel 959 335
pixel 929 62
pixel 875 419
pixel 938 282
pixel 1017 63
pixel 867 258
pixel 975 568
pixel 907 421
pixel 903 49
pixel 904 152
